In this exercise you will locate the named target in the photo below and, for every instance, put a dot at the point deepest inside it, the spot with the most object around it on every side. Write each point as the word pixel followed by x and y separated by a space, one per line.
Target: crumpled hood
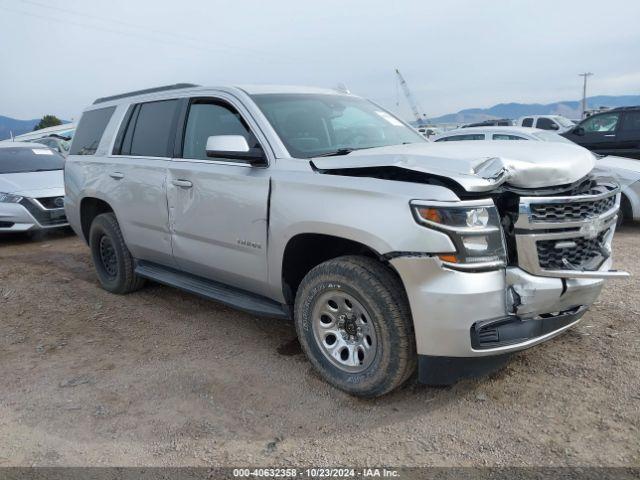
pixel 476 165
pixel 33 184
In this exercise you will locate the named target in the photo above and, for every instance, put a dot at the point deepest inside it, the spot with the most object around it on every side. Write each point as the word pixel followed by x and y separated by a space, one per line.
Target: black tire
pixel 111 257
pixel 377 288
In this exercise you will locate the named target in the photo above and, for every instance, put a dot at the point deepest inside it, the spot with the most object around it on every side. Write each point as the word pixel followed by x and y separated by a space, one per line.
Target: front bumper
pixel 479 314
pixel 16 217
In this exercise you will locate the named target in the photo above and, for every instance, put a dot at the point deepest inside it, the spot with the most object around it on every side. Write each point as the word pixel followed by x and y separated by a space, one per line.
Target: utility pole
pixel 585 75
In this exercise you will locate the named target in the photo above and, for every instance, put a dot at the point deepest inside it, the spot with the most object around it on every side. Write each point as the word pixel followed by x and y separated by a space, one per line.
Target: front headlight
pixel 474 229
pixel 9 198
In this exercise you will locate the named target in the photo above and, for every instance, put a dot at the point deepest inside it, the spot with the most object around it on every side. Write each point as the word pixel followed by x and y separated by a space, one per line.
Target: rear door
pixel 138 172
pixel 218 207
pixel 628 136
pixel 598 133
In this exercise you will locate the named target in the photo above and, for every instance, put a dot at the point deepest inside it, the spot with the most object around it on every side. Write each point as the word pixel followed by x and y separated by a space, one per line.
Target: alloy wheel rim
pixel 344 332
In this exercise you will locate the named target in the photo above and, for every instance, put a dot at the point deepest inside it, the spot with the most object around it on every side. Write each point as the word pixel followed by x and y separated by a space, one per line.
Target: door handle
pixel 116 175
pixel 182 183
pixel 611 135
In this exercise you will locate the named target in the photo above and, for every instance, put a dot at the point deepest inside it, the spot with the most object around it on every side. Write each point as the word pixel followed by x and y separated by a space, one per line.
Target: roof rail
pixel 175 86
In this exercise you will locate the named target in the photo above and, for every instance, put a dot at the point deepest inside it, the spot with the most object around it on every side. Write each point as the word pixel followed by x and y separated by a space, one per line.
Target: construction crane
pixel 421 118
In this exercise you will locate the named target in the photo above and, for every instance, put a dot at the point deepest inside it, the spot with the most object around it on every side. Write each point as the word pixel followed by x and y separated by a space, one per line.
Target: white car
pixel 556 123
pixel 499 133
pixel 31 188
pixel 625 171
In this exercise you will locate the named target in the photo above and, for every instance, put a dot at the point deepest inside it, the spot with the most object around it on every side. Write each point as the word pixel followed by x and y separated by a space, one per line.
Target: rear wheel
pixel 111 257
pixel 354 323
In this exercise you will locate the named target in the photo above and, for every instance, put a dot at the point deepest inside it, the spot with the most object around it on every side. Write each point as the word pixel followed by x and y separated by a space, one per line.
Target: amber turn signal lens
pixel 430 214
pixel 448 257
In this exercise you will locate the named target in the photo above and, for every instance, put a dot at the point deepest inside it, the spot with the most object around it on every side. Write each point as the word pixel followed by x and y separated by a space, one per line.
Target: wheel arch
pixel 90 208
pixel 304 251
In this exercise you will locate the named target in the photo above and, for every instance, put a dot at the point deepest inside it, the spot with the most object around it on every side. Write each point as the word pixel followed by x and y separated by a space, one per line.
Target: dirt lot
pixel 161 377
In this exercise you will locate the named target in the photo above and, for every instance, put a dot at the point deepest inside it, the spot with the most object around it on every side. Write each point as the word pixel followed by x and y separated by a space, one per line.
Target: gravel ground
pixel 161 377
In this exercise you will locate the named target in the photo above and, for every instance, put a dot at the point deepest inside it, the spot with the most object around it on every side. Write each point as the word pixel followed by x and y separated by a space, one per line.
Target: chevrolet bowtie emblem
pixel 593 228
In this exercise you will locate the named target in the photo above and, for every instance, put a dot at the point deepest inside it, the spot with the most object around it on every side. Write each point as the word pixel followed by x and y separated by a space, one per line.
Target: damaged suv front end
pixel 530 251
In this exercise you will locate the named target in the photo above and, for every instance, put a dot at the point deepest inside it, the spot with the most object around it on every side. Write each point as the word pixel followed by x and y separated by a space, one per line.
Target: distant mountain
pixel 18 127
pixel 569 109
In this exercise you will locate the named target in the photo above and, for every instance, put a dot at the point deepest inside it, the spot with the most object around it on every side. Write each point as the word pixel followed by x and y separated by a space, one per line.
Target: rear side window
pixel 546 124
pixel 527 122
pixel 631 121
pixel 455 138
pixel 90 130
pixel 150 129
pixel 504 136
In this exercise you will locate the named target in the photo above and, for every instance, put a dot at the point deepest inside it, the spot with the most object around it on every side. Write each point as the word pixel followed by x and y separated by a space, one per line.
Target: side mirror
pixel 578 130
pixel 554 126
pixel 234 147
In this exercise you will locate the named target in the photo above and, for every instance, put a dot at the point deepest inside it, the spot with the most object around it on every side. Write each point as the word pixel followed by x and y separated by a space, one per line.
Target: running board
pixel 231 296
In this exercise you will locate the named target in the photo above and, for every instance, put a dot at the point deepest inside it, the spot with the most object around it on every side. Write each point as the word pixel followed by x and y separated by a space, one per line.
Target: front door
pixel 218 208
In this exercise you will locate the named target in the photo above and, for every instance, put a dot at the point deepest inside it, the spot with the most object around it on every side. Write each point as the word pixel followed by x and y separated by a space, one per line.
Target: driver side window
pixel 208 118
pixel 606 122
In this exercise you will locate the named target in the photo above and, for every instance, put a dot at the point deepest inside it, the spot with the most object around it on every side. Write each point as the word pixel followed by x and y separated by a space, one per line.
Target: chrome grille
pixel 572 233
pixel 579 252
pixel 559 212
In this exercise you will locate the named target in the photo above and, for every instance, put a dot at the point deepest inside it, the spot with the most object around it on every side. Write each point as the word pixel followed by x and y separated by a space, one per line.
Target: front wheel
pixel 354 323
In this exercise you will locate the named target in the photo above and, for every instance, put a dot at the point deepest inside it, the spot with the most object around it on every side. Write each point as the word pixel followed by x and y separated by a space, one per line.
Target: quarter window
pixel 89 132
pixel 527 122
pixel 606 122
pixel 209 118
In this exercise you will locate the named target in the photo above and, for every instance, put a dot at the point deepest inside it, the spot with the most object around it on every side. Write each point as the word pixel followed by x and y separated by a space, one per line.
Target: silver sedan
pixel 31 188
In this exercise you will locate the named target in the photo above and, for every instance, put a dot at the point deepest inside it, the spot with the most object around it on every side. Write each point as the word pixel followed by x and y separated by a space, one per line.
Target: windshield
pixel 316 124
pixel 565 122
pixel 550 137
pixel 27 159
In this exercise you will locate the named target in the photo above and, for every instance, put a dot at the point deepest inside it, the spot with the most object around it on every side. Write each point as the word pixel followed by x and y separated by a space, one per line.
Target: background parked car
pixel 613 132
pixel 556 123
pixel 625 171
pixel 499 133
pixel 505 122
pixel 31 187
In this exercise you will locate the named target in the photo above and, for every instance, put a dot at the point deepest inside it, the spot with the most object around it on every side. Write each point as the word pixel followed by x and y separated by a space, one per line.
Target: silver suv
pixel 387 251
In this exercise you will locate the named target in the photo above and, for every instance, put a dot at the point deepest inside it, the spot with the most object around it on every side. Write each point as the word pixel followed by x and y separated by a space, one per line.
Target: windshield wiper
pixel 338 152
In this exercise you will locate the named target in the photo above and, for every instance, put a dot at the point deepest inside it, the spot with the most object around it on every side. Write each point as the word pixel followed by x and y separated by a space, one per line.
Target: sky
pixel 57 56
